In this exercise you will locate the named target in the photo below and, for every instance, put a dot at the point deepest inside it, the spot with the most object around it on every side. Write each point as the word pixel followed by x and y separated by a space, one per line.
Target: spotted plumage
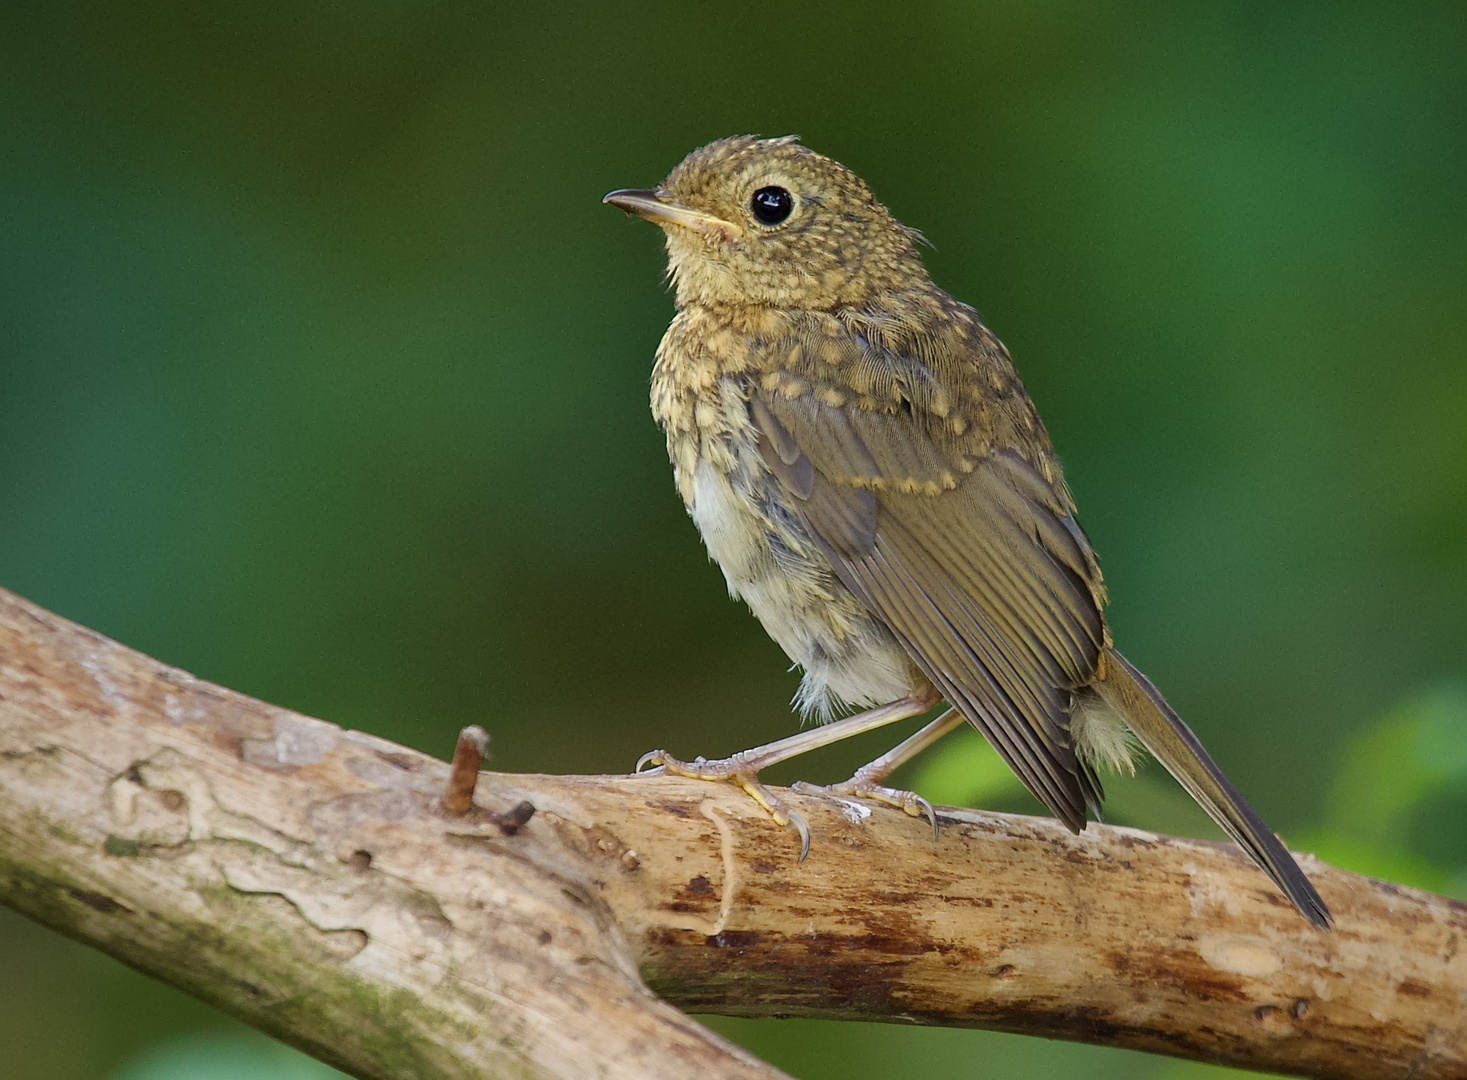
pixel 865 466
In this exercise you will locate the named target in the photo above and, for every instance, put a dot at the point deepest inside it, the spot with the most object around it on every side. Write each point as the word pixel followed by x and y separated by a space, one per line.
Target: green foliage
pixel 1399 801
pixel 219 1056
pixel 323 375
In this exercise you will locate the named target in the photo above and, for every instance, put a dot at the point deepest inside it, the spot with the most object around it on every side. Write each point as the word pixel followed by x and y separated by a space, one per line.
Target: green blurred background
pixel 323 375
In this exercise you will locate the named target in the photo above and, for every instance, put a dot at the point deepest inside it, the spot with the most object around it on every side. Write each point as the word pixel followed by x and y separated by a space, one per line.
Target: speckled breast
pixel 753 529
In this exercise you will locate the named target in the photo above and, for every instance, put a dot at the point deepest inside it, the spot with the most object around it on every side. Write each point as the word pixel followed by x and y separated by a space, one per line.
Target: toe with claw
pixel 909 802
pixel 736 770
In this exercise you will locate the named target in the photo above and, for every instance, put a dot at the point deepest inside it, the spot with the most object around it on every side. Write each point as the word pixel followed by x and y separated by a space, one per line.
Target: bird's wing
pixel 958 544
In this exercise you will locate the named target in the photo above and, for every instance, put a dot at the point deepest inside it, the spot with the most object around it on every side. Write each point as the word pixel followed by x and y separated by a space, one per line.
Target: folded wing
pixel 972 559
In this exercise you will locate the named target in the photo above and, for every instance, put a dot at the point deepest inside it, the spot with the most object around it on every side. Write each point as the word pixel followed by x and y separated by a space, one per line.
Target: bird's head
pixel 771 222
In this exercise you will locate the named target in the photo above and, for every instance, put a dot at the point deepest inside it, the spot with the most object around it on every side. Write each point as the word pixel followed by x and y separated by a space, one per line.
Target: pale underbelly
pixel 770 561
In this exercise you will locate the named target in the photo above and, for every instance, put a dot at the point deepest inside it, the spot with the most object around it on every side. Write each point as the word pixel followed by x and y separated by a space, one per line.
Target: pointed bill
pixel 662 209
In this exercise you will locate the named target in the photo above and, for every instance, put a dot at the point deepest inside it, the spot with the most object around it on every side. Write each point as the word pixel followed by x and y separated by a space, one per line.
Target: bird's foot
pixel 739 770
pixel 866 787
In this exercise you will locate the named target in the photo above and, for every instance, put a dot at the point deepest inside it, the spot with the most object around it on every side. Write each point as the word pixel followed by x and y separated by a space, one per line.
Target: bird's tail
pixel 1162 732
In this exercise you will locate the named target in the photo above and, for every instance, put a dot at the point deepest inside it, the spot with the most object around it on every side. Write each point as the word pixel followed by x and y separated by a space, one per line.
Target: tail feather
pixel 1162 732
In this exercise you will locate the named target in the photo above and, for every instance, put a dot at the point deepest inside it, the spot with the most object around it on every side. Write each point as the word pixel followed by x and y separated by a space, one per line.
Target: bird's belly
pixel 771 562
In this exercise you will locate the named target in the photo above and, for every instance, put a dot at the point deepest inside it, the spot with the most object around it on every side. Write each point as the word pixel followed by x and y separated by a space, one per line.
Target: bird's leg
pixel 752 762
pixel 744 767
pixel 866 783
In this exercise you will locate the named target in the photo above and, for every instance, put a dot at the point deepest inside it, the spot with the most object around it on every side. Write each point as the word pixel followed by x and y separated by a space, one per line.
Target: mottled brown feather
pixel 957 542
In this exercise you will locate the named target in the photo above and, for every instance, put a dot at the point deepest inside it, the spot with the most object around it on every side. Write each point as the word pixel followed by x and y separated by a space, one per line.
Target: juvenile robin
pixel 866 468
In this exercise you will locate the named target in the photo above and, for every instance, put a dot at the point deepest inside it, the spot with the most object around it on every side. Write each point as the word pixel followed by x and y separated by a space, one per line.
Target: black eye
pixel 772 205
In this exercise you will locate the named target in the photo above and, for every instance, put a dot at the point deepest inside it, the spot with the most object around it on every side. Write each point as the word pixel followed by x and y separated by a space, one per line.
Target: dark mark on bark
pixel 97 901
pixel 967 901
pixel 1147 966
pixel 41 751
pixel 405 762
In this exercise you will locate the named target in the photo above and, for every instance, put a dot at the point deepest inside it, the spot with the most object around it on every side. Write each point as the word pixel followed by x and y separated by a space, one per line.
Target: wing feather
pixel 972 559
pixel 953 664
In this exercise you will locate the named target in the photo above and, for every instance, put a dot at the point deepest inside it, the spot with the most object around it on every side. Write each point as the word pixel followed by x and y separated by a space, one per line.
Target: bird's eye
pixel 772 205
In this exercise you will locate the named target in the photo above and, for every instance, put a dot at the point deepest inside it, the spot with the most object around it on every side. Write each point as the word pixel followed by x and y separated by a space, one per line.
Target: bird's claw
pixel 777 810
pixel 655 758
pixel 734 770
pixel 909 802
pixel 926 809
pixel 804 830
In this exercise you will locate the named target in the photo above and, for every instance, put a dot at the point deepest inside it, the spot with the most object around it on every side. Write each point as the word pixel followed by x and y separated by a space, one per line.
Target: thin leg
pixel 744 767
pixel 866 783
pixel 761 757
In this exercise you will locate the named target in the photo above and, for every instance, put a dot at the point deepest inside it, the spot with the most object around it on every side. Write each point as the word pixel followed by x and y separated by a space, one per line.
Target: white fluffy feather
pixel 1102 737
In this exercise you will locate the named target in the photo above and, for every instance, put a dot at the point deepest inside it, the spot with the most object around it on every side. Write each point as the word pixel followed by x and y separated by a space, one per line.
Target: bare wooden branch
pixel 310 880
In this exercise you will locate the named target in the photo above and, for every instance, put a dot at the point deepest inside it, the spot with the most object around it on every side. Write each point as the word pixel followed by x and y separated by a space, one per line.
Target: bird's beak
pixel 662 209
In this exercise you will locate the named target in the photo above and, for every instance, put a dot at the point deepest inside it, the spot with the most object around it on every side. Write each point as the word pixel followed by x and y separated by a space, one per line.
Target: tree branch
pixel 310 881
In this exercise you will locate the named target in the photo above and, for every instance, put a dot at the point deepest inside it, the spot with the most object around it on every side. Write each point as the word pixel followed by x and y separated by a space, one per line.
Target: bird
pixel 864 464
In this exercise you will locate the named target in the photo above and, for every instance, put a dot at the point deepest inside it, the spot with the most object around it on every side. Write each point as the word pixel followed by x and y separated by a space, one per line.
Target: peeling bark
pixel 308 880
